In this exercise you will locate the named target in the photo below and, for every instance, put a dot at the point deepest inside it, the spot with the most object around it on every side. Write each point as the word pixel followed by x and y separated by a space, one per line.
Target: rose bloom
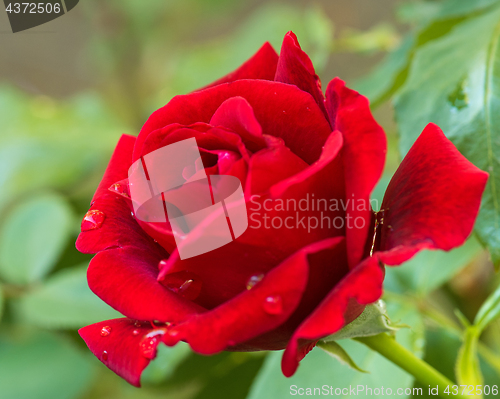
pixel 269 124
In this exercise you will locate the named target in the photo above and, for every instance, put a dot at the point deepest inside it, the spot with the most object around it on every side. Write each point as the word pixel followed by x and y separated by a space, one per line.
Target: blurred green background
pixel 71 87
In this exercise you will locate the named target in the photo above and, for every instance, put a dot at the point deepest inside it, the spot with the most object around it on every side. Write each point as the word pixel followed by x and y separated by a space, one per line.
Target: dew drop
pixel 105 331
pixel 253 280
pixel 104 355
pixel 150 343
pixel 120 189
pixel 135 332
pixel 189 289
pixel 273 304
pixel 92 220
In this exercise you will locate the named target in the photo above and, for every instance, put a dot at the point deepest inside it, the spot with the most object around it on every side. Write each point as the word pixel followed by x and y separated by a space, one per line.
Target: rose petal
pixel 237 115
pixel 119 228
pixel 327 261
pixel 247 315
pixel 295 67
pixel 125 278
pixel 363 153
pixel 262 65
pixel 259 248
pixel 123 345
pixel 118 165
pixel 270 166
pixel 432 200
pixel 363 285
pixel 282 110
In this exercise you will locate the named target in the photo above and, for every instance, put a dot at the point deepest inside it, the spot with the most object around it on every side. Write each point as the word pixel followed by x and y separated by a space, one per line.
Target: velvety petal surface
pixel 363 155
pixel 262 246
pixel 251 313
pixel 123 345
pixel 363 285
pixel 237 115
pixel 262 65
pixel 327 262
pixel 126 279
pixel 432 200
pixel 295 67
pixel 282 110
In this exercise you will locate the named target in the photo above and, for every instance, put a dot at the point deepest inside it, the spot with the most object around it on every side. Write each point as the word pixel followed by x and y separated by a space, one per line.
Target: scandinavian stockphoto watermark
pixel 308 213
pixel 28 14
pixel 206 211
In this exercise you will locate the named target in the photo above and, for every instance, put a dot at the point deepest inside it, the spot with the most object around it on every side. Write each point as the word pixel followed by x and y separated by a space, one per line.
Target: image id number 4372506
pixel 33 8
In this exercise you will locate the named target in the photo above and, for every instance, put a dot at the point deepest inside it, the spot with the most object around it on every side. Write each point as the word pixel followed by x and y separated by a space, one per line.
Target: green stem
pixel 388 347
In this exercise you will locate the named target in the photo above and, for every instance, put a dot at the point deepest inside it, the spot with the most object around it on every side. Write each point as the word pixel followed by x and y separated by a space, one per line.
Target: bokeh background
pixel 71 87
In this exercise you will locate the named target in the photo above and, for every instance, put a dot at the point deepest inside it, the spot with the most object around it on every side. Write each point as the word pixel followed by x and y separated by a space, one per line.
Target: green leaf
pixel 430 269
pixel 165 363
pixel 372 321
pixel 64 301
pixel 42 367
pixel 454 81
pixel 455 8
pixel 489 311
pixel 467 368
pixel 56 144
pixel 33 237
pixel 317 369
pixel 339 353
pixel 1 302
pixel 388 76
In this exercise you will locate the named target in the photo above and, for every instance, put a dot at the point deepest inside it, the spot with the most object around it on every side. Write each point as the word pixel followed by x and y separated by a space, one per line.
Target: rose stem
pixel 388 347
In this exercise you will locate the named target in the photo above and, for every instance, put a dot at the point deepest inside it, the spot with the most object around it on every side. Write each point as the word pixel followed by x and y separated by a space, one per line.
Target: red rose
pixel 288 285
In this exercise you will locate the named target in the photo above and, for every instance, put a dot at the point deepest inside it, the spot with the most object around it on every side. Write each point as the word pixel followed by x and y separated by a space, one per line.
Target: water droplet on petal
pixel 104 355
pixel 189 289
pixel 150 343
pixel 120 189
pixel 92 220
pixel 253 280
pixel 135 332
pixel 273 304
pixel 105 331
pixel 186 284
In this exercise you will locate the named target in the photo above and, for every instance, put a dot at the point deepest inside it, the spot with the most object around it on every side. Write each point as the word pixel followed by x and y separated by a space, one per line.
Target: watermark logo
pixel 26 15
pixel 205 212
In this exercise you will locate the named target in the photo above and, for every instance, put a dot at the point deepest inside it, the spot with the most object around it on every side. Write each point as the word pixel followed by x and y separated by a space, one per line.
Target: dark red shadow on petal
pixel 237 115
pixel 363 153
pixel 126 279
pixel 363 285
pixel 251 313
pixel 327 262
